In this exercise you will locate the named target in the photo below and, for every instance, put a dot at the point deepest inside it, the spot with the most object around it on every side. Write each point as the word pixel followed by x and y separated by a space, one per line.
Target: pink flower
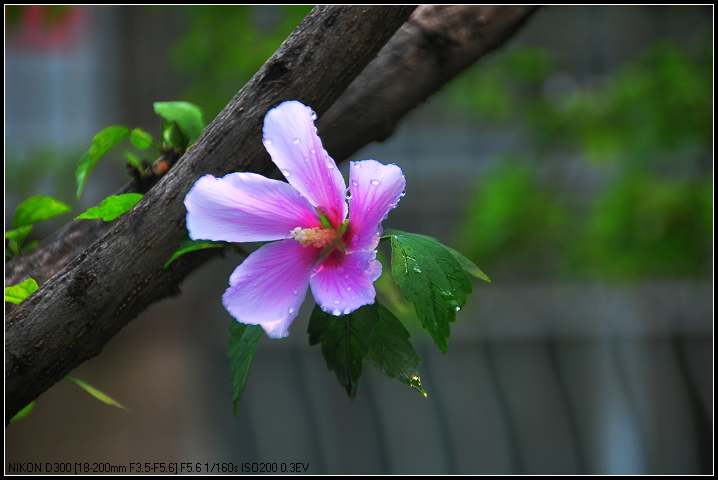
pixel 326 236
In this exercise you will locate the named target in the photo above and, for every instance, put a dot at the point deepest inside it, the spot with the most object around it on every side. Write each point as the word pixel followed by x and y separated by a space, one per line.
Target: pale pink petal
pixel 375 189
pixel 268 288
pixel 291 139
pixel 344 283
pixel 245 207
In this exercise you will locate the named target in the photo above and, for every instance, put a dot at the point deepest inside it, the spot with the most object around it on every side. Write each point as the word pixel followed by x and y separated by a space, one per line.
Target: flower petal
pixel 245 207
pixel 344 283
pixel 268 288
pixel 291 139
pixel 375 190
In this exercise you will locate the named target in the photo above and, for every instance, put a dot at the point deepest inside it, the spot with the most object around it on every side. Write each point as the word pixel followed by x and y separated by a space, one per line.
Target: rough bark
pixel 81 307
pixel 435 45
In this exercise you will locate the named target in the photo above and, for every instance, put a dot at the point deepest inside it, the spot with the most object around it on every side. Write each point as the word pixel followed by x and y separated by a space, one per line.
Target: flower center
pixel 317 237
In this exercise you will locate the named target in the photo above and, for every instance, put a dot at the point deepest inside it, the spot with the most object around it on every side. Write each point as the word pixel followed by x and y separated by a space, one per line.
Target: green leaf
pixel 189 246
pixel 24 412
pixel 469 267
pixel 343 345
pixel 432 279
pixel 371 332
pixel 389 348
pixel 111 207
pixel 97 394
pixel 141 139
pixel 135 162
pixel 36 209
pixel 102 142
pixel 18 293
pixel 242 345
pixel 187 116
pixel 18 234
pixel 173 137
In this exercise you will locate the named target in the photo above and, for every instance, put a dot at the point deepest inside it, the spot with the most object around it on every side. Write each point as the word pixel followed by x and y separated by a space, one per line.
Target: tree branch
pixel 81 307
pixel 436 44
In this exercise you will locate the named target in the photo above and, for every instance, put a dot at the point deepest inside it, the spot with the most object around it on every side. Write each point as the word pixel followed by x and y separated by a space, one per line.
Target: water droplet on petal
pixel 355 183
pixel 347 311
pixel 314 115
pixel 291 310
pixel 295 140
pixel 375 182
pixel 330 165
pixel 286 173
pixel 267 141
pixel 313 151
pixel 336 311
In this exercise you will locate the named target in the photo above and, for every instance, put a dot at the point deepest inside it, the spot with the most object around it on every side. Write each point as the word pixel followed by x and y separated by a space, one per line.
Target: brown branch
pixel 436 44
pixel 85 304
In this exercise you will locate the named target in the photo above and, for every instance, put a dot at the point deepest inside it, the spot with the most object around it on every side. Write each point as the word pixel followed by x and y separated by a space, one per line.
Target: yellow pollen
pixel 313 237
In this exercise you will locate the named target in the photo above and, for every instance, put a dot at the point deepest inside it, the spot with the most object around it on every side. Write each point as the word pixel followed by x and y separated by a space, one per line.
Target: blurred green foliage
pixel 645 131
pixel 224 46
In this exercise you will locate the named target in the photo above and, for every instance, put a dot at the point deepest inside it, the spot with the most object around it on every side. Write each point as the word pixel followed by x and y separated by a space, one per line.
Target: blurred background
pixel 574 165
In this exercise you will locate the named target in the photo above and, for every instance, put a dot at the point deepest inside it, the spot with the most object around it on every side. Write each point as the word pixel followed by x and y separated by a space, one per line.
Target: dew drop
pixel 347 311
pixel 286 173
pixel 291 310
pixel 355 183
pixel 314 115
pixel 417 269
pixel 295 141
pixel 375 182
pixel 313 151
pixel 330 165
pixel 337 312
pixel 457 308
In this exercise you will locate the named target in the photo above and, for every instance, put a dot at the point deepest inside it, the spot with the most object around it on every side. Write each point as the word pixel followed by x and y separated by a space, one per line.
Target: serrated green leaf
pixel 242 345
pixel 24 412
pixel 111 207
pixel 187 116
pixel 141 139
pixel 371 332
pixel 18 293
pixel 431 278
pixel 102 142
pixel 389 348
pixel 343 346
pixel 97 394
pixel 189 246
pixel 36 209
pixel 469 267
